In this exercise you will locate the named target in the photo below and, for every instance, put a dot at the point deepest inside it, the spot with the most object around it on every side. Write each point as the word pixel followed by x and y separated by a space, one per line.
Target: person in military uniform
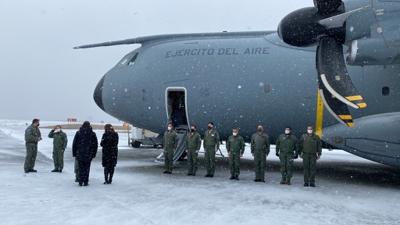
pixel 260 150
pixel 310 152
pixel 32 137
pixel 192 146
pixel 211 146
pixel 60 141
pixel 287 148
pixel 170 142
pixel 235 147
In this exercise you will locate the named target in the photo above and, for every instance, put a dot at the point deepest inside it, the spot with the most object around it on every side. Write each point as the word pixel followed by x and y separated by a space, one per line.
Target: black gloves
pixel 277 154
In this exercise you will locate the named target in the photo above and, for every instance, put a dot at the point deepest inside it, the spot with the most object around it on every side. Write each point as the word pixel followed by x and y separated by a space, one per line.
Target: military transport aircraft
pixel 274 78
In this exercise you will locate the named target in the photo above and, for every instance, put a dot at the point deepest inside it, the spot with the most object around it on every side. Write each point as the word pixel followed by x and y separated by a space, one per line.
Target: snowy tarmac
pixel 350 190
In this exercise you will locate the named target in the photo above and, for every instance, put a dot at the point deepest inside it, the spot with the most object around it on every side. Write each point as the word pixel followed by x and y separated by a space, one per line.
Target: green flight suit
pixel 32 134
pixel 235 146
pixel 192 143
pixel 210 143
pixel 310 147
pixel 170 142
pixel 60 141
pixel 287 146
pixel 260 148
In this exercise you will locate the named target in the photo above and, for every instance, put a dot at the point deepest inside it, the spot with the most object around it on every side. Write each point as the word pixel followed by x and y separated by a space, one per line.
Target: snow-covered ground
pixel 350 190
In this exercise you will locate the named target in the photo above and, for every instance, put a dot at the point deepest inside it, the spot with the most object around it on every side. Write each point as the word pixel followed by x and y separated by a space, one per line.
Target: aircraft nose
pixel 98 93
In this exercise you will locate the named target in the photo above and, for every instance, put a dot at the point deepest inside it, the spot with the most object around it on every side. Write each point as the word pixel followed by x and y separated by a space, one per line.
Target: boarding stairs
pixel 182 132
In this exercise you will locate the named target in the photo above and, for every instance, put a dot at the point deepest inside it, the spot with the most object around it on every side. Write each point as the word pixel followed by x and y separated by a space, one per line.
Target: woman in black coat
pixel 109 142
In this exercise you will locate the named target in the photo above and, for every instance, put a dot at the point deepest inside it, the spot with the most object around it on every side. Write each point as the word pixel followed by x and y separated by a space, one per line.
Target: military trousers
pixel 84 170
pixel 234 164
pixel 31 153
pixel 192 160
pixel 286 165
pixel 309 164
pixel 168 158
pixel 58 158
pixel 210 160
pixel 260 161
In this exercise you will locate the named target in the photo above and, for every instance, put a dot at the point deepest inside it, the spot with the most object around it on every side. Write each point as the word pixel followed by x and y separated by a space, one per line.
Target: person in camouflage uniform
pixel 192 146
pixel 310 152
pixel 211 146
pixel 60 141
pixel 32 137
pixel 170 143
pixel 260 150
pixel 235 147
pixel 287 149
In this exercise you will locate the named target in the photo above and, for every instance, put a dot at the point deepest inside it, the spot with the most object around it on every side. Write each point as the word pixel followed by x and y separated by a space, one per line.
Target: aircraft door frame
pixel 168 109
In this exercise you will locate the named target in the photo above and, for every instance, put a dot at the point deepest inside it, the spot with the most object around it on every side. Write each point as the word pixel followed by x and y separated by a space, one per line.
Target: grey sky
pixel 42 76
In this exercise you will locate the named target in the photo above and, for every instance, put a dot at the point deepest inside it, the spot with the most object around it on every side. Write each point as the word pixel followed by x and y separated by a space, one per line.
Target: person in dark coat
pixel 109 142
pixel 84 149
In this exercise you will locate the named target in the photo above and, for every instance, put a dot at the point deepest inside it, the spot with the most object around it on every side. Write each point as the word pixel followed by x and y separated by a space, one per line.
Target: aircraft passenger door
pixel 176 107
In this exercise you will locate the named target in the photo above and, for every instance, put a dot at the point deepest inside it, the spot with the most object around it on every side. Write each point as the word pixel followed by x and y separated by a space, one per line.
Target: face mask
pixel 310 131
pixel 210 127
pixel 234 134
pixel 287 131
pixel 192 130
pixel 169 128
pixel 260 130
pixel 58 130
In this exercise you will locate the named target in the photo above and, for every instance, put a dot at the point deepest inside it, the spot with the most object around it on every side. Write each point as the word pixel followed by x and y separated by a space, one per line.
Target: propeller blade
pixel 333 73
pixel 338 20
pixel 336 108
pixel 327 6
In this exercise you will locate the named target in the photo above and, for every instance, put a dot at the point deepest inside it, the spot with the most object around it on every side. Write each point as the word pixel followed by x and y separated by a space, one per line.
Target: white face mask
pixel 58 130
pixel 287 131
pixel 169 128
pixel 234 134
pixel 310 131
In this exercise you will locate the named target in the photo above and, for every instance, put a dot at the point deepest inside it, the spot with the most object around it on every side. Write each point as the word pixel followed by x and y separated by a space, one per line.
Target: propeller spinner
pixel 324 25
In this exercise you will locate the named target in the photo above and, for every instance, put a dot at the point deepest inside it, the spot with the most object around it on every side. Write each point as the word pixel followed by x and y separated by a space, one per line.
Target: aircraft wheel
pixel 136 144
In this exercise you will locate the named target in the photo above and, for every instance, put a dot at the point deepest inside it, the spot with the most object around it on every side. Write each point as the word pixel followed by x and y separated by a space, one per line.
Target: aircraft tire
pixel 136 144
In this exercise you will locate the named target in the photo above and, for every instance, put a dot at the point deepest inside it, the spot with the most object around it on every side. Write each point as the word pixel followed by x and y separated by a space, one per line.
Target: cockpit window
pixel 133 60
pixel 128 60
